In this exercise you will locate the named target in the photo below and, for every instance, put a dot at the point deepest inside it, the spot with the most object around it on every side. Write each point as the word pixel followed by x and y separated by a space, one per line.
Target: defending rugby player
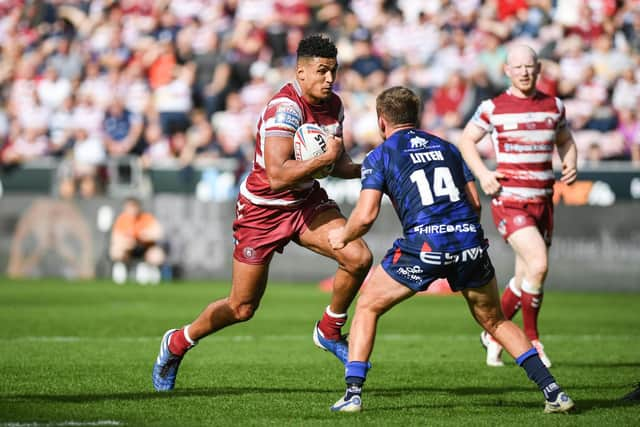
pixel 434 196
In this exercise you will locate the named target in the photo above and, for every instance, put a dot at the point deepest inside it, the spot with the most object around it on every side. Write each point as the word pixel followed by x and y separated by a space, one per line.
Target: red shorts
pixel 258 231
pixel 510 216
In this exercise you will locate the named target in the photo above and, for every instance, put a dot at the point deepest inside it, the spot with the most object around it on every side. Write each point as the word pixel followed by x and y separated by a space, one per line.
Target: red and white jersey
pixel 282 116
pixel 523 132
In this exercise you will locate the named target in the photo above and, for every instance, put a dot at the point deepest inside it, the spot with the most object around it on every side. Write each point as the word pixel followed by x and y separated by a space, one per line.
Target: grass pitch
pixel 81 353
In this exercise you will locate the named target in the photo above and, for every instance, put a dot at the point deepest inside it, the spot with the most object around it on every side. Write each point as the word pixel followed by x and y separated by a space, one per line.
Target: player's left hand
pixel 336 238
pixel 569 173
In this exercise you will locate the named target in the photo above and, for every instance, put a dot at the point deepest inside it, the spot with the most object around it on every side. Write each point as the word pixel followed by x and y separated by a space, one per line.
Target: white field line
pixel 383 337
pixel 99 423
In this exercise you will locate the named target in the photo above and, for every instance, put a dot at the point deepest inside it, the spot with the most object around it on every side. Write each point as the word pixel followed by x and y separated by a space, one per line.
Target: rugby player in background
pixel 280 202
pixel 525 126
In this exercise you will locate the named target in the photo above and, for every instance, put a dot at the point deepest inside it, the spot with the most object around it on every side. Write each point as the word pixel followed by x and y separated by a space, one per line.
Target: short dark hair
pixel 399 105
pixel 317 46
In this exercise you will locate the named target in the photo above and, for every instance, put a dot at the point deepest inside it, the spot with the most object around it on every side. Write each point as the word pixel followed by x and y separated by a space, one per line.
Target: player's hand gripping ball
pixel 310 141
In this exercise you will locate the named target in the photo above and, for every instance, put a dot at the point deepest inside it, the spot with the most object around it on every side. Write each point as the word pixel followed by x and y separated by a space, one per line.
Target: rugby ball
pixel 310 141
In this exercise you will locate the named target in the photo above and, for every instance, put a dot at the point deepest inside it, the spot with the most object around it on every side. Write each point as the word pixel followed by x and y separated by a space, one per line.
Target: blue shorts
pixel 417 269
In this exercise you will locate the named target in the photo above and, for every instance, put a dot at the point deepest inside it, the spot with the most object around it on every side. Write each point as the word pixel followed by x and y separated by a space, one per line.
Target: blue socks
pixel 355 375
pixel 538 373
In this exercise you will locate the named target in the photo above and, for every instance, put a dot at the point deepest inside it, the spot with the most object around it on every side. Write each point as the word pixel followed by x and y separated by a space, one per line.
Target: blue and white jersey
pixel 425 176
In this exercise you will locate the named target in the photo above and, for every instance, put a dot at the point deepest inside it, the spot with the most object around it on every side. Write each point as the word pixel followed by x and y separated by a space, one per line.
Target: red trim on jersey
pixel 426 247
pixel 534 167
pixel 396 255
pixel 506 103
pixel 527 183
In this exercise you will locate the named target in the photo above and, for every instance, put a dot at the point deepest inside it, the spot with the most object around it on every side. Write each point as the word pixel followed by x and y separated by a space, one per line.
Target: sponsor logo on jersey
pixel 248 252
pixel 412 272
pixel 445 228
pixel 418 142
pixel 529 148
pixel 365 172
pixel 287 118
pixel 447 258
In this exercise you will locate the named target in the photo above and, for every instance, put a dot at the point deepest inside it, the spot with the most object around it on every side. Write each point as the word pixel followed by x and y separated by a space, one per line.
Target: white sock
pixel 514 289
pixel 530 288
pixel 186 335
pixel 332 314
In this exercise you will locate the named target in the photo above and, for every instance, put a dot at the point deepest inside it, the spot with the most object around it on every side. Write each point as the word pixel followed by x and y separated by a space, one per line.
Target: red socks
pixel 331 323
pixel 180 342
pixel 510 301
pixel 530 309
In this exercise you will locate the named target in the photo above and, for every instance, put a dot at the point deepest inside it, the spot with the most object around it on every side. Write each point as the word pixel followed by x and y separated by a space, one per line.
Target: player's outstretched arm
pixel 284 172
pixel 568 154
pixel 471 135
pixel 345 168
pixel 360 220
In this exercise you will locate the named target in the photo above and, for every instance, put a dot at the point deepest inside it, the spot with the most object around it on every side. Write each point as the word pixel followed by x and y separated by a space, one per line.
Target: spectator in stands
pixel 61 126
pixel 83 171
pixel 493 56
pixel 96 85
pixel 200 147
pixel 608 61
pixel 136 235
pixel 32 114
pixel 367 65
pixel 135 88
pixel 53 89
pixel 573 63
pixel 257 91
pixel 629 128
pixel 626 92
pixel 116 54
pixel 158 148
pixel 586 26
pixel 234 128
pixel 211 75
pixel 449 104
pixel 173 102
pixel 25 145
pixel 87 114
pixel 122 129
pixel 590 108
pixel 67 59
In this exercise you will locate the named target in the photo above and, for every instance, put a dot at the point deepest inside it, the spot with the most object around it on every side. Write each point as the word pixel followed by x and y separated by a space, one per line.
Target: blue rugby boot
pixel 166 367
pixel 339 348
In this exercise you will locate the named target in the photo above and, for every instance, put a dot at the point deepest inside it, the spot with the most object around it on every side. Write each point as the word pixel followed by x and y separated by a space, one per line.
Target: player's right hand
pixel 335 147
pixel 490 183
pixel 336 238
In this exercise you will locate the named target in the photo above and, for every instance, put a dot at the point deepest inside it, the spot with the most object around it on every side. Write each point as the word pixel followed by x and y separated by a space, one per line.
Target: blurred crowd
pixel 182 82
